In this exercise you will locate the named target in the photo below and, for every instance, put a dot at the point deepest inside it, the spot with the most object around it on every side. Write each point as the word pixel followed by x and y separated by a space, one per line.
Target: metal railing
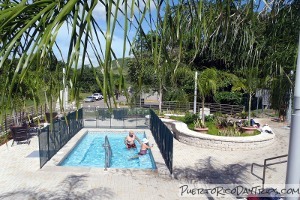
pixel 186 106
pixel 164 139
pixel 108 153
pixel 115 118
pixel 53 137
pixel 108 115
pixel 24 115
pixel 21 116
pixel 265 165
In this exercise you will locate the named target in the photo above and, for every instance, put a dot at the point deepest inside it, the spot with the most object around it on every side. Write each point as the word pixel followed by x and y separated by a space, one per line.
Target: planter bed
pixel 183 134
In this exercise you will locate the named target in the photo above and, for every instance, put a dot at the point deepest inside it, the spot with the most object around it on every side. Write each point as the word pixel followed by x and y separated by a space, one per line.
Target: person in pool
pixel 144 147
pixel 129 140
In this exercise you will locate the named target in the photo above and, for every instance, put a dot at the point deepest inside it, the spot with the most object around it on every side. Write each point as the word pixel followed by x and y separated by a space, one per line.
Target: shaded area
pixel 210 171
pixel 34 154
pixel 73 187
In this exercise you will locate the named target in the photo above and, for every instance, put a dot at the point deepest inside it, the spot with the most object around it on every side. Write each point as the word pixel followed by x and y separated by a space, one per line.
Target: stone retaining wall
pixel 187 136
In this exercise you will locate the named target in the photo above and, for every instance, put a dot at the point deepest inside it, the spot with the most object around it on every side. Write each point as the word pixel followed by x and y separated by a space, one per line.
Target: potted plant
pixel 246 128
pixel 199 126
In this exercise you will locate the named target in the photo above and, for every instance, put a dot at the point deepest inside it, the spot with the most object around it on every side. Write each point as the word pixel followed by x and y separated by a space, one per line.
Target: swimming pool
pixel 89 152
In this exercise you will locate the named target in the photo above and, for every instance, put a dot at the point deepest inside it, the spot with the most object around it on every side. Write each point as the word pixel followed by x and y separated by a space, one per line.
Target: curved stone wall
pixel 187 136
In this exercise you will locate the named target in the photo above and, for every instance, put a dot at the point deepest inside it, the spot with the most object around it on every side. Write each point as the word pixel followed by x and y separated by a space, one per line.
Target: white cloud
pixel 63 37
pixel 99 12
pixel 63 41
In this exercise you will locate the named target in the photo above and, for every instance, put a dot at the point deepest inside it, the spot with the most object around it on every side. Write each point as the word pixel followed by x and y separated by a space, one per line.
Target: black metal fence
pixel 116 118
pixel 164 139
pixel 52 138
pixel 21 116
pixel 186 106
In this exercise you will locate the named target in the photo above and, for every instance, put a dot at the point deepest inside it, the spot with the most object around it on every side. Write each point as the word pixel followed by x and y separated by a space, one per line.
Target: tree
pixel 192 33
pixel 206 85
pixel 28 31
pixel 251 83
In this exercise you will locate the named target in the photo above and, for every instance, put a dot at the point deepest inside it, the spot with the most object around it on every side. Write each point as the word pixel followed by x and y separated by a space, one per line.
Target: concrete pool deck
pixel 22 178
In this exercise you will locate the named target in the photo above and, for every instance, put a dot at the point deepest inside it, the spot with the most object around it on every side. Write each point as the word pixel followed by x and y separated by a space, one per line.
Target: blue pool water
pixel 89 152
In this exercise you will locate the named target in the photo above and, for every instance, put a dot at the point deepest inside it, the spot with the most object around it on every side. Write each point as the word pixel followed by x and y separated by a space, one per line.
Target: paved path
pixel 21 177
pixel 216 166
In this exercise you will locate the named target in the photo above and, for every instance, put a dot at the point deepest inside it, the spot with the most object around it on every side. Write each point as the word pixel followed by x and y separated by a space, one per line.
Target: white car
pixel 89 99
pixel 97 96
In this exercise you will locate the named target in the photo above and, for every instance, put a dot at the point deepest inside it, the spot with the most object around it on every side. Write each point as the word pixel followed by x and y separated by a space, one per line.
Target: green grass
pixel 177 118
pixel 212 129
pixel 256 132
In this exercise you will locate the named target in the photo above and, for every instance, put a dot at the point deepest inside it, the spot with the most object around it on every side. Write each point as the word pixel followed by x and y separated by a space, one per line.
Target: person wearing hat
pixel 130 140
pixel 144 147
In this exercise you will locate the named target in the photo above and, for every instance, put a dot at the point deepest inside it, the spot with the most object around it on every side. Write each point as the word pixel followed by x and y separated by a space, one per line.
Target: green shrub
pixel 212 128
pixel 224 97
pixel 245 123
pixel 218 114
pixel 229 131
pixel 209 118
pixel 244 115
pixel 199 124
pixel 190 118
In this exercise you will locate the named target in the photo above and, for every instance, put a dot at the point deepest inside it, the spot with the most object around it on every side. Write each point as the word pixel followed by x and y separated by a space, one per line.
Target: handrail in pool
pixel 108 153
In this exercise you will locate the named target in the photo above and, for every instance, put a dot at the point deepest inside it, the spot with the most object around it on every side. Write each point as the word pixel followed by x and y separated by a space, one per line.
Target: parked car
pixel 89 99
pixel 98 96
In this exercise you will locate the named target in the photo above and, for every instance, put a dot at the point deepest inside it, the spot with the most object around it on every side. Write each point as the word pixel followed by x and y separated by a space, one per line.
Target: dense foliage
pixel 255 41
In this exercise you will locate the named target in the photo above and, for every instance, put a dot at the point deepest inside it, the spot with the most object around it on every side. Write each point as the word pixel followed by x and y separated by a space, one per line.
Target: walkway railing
pixel 53 137
pixel 164 139
pixel 265 165
pixel 108 153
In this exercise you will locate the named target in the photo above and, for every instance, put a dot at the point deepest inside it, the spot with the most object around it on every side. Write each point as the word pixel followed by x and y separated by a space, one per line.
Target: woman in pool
pixel 130 140
pixel 144 147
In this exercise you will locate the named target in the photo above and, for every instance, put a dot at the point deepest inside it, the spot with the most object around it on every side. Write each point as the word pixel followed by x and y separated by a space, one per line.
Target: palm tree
pixel 207 85
pixel 29 29
pixel 248 83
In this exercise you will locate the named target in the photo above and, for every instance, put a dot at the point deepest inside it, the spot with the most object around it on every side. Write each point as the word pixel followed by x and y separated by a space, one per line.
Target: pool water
pixel 89 152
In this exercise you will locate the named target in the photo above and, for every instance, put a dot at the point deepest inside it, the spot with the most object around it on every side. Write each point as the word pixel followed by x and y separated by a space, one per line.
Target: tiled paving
pixel 21 177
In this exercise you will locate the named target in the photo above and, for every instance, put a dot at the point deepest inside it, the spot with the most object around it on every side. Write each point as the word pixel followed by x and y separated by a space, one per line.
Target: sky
pixel 63 37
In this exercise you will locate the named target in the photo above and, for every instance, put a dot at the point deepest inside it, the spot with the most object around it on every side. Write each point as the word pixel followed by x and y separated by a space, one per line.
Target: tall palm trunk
pixel 160 96
pixel 249 107
pixel 202 104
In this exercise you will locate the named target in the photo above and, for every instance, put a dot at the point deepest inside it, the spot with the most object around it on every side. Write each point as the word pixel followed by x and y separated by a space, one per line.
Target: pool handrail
pixel 108 153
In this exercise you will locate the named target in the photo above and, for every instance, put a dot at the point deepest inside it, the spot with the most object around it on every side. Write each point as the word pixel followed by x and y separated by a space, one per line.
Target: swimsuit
pixel 131 145
pixel 143 152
